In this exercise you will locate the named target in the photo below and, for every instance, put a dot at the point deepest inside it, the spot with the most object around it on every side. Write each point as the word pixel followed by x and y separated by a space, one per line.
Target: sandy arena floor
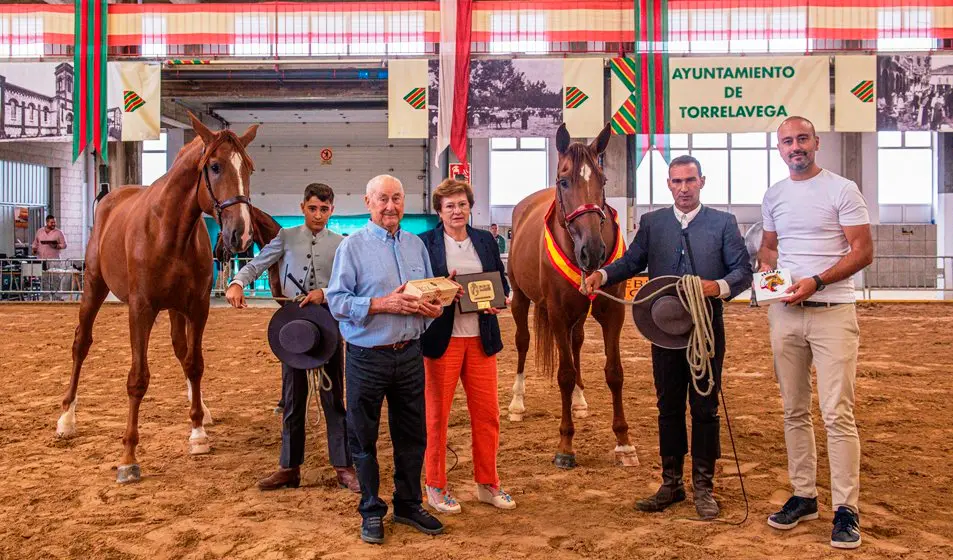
pixel 59 499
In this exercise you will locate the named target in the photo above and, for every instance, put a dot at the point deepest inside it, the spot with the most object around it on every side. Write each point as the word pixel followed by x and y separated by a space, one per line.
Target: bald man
pixel 816 225
pixel 382 327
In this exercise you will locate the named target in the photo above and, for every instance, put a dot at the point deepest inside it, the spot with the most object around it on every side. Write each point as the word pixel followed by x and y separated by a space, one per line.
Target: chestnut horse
pixel 150 247
pixel 264 229
pixel 583 231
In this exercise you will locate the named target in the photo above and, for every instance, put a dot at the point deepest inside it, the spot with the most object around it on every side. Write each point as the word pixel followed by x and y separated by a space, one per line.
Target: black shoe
pixel 419 519
pixel 846 533
pixel 372 530
pixel 795 510
pixel 672 489
pixel 703 474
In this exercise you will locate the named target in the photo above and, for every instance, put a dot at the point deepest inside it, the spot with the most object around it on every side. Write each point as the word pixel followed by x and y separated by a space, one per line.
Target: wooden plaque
pixel 481 291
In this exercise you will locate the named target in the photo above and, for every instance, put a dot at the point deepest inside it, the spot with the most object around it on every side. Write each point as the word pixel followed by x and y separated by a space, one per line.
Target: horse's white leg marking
pixel 66 425
pixel 198 442
pixel 206 415
pixel 626 455
pixel 516 407
pixel 580 408
pixel 246 215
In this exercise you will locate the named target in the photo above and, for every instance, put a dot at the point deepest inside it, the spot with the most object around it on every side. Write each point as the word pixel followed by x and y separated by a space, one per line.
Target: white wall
pixel 287 158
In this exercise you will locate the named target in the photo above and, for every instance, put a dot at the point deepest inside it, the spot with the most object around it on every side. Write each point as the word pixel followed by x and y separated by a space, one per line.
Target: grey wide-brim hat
pixel 303 337
pixel 663 320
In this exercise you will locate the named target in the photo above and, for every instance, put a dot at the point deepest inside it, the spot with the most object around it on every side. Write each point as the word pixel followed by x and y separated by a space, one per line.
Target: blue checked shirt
pixel 372 263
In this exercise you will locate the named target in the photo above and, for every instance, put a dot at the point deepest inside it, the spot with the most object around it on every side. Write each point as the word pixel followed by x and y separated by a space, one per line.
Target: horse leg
pixel 94 294
pixel 520 309
pixel 611 316
pixel 141 319
pixel 580 408
pixel 194 367
pixel 566 377
pixel 180 343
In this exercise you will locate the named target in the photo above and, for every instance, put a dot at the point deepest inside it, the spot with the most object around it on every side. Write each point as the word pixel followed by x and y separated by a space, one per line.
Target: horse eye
pixel 563 183
pixel 216 168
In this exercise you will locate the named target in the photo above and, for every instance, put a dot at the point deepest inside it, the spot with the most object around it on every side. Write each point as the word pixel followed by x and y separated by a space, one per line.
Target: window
pixel 367 34
pixel 518 168
pixel 738 168
pixel 896 25
pixel 292 35
pixel 252 36
pixel 154 164
pixel 328 36
pixel 905 167
pixel 406 34
pixel 25 36
pixel 518 33
pixel 153 36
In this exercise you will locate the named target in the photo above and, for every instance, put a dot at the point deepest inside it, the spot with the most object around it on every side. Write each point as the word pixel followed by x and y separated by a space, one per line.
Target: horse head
pixel 581 197
pixel 224 182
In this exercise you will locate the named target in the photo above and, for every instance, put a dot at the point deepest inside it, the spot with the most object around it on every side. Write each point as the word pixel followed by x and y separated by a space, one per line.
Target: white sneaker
pixel 495 496
pixel 441 500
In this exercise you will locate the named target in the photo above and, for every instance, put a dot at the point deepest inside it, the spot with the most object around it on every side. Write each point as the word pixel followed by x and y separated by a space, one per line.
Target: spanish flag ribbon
pixel 563 264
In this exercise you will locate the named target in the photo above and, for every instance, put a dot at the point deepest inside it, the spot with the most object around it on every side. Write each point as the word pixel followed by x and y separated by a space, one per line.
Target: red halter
pixel 585 208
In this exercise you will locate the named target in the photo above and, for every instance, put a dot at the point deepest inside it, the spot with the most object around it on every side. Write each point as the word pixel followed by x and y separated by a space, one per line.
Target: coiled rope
pixel 700 351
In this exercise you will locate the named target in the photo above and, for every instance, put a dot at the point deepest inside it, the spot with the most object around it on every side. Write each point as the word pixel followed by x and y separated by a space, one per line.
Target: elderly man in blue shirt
pixel 382 327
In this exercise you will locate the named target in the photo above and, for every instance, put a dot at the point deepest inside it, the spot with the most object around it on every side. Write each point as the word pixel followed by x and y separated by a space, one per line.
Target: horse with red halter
pixel 150 247
pixel 559 235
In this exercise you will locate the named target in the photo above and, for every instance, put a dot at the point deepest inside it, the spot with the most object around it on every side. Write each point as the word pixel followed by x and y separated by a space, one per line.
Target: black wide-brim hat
pixel 303 337
pixel 663 320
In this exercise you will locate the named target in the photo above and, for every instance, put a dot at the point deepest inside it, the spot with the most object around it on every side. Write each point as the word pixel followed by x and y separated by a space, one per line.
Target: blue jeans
pixel 372 375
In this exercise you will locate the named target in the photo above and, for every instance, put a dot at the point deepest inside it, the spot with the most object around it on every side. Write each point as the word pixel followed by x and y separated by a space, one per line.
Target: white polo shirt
pixel 808 217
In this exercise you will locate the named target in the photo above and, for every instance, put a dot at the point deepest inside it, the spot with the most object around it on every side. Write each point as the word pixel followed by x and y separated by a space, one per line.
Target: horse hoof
pixel 565 460
pixel 626 456
pixel 516 417
pixel 128 474
pixel 199 446
pixel 580 412
pixel 65 430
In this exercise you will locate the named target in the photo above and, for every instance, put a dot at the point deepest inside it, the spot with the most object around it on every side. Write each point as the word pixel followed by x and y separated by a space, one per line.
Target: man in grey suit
pixel 308 253
pixel 687 239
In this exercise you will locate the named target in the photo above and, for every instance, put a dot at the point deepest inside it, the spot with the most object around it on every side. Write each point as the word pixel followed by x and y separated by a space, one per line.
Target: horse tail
pixel 545 342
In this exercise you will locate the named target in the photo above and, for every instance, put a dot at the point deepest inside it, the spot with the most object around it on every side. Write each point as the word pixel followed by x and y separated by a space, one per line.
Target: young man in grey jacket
pixel 307 253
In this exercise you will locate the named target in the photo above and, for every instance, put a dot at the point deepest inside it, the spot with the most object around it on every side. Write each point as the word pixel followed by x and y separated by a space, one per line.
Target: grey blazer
pixel 716 243
pixel 305 256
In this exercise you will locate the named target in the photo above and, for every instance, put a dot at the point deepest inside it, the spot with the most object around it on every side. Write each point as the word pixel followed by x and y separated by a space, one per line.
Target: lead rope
pixel 700 351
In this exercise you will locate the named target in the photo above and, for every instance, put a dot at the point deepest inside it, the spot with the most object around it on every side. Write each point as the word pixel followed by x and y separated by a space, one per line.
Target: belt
pixel 395 347
pixel 820 304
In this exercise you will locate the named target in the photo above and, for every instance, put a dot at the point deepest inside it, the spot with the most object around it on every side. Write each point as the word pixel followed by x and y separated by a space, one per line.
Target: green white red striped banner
pixel 575 97
pixel 864 91
pixel 90 77
pixel 417 98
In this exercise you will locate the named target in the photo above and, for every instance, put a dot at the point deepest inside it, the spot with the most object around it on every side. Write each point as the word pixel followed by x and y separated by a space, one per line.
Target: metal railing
pixel 39 280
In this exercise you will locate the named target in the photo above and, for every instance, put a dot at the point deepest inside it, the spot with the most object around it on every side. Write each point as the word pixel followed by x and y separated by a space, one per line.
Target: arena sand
pixel 59 499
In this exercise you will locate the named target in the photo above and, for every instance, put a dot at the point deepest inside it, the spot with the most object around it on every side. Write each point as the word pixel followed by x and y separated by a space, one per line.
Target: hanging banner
pixel 515 98
pixel 38 99
pixel 583 95
pixel 915 93
pixel 855 89
pixel 407 98
pixel 135 88
pixel 750 94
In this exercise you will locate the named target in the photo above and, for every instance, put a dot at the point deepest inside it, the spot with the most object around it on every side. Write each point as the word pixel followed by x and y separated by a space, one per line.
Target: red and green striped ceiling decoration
pixel 89 77
pixel 645 113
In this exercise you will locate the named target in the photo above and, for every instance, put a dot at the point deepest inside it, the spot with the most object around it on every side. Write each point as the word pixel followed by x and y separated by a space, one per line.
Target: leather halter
pixel 207 152
pixel 583 209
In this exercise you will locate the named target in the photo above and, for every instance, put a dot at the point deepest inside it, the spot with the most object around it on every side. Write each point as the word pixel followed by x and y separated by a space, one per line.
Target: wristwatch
pixel 820 283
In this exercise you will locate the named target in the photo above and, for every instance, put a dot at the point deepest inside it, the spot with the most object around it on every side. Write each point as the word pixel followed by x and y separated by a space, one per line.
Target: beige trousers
pixel 828 337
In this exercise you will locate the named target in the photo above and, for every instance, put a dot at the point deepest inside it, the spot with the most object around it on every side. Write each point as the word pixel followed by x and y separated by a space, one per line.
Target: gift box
pixel 772 285
pixel 433 290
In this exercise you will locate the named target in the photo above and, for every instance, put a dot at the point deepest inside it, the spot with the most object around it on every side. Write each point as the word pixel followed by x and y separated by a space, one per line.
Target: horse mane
pixel 579 154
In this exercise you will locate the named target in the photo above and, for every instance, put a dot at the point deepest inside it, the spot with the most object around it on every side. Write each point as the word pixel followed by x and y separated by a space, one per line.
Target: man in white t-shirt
pixel 816 225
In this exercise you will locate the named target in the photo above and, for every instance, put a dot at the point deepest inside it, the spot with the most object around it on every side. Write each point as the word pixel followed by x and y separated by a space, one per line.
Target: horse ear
pixel 602 141
pixel 562 139
pixel 249 135
pixel 202 130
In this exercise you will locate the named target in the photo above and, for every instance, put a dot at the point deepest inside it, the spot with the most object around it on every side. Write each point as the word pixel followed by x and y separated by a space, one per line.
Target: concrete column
pixel 125 164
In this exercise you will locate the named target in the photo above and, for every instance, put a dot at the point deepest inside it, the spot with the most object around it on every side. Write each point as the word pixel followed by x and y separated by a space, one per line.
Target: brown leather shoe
pixel 281 478
pixel 347 478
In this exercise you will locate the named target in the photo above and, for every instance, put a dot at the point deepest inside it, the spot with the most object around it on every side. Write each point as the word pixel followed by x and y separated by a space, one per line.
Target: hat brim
pixel 645 323
pixel 320 317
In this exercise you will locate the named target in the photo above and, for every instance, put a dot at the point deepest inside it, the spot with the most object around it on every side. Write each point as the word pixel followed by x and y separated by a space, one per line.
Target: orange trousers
pixel 464 360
